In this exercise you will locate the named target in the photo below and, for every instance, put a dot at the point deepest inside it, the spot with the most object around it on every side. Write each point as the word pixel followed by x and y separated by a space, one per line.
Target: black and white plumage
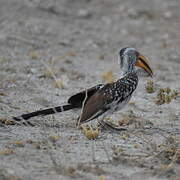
pixel 111 97
pixel 103 97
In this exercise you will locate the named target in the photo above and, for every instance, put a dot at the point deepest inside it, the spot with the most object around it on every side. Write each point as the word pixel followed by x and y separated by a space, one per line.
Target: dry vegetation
pixel 52 49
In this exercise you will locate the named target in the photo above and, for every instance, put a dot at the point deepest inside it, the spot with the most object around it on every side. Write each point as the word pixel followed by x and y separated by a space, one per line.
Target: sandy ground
pixel 79 41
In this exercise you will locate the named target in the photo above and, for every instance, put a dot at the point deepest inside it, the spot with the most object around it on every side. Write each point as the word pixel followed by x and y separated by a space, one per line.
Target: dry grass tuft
pixel 101 57
pixel 91 168
pixel 6 152
pixel 16 143
pixel 101 178
pixel 6 121
pixel 71 171
pixel 165 96
pixel 90 133
pixel 33 54
pixel 169 151
pixel 48 72
pixel 150 87
pixel 54 138
pixel 61 82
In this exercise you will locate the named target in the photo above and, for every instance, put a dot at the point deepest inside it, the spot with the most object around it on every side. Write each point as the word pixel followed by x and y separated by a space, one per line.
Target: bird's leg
pixel 101 122
pixel 109 125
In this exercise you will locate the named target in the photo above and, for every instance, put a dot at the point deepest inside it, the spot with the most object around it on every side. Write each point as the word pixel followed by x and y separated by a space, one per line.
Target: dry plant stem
pixel 93 153
pixel 156 128
pixel 78 124
pixel 106 152
pixel 50 70
pixel 162 135
pixel 149 144
pixel 55 164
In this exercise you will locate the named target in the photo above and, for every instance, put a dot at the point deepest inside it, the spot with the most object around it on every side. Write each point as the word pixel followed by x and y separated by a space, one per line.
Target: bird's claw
pixel 110 126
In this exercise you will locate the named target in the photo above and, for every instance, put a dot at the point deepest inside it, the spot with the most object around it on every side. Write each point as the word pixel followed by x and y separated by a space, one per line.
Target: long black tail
pixel 44 112
pixel 74 101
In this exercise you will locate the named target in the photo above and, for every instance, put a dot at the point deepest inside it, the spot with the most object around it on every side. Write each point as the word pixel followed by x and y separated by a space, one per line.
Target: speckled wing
pixel 111 96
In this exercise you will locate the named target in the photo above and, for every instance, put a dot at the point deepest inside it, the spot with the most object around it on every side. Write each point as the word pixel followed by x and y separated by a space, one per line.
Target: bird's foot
pixel 110 126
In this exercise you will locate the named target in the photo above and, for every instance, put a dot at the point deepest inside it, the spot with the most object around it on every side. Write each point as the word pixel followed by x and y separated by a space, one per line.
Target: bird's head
pixel 130 57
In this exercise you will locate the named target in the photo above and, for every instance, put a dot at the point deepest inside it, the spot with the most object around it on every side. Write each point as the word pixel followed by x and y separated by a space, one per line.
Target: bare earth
pixel 51 49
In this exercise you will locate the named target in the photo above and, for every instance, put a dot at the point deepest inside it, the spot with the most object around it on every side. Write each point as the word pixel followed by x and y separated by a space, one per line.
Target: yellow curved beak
pixel 142 62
